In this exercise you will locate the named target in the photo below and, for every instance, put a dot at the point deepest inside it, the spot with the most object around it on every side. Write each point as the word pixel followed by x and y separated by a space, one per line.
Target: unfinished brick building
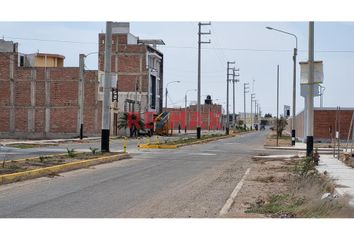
pixel 139 67
pixel 44 102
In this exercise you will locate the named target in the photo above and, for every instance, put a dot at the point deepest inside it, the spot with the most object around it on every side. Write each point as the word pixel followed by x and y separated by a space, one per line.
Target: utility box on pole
pixel 304 78
pixel 304 83
pixel 286 111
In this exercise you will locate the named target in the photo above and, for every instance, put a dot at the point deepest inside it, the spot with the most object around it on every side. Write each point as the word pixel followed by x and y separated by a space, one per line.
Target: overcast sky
pixel 256 51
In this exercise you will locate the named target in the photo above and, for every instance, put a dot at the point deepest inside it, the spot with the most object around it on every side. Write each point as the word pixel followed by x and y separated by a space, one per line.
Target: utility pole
pixel 81 93
pixel 200 42
pixel 245 90
pixel 321 98
pixel 252 99
pixel 255 112
pixel 234 80
pixel 107 86
pixel 167 92
pixel 166 99
pixel 277 105
pixel 309 99
pixel 293 122
pixel 228 74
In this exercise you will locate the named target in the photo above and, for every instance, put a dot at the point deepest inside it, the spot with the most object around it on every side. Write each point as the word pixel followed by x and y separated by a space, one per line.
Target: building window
pixel 153 92
pixel 22 61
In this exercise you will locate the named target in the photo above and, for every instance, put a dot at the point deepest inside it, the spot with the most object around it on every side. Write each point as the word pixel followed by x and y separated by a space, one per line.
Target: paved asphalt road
pixel 193 181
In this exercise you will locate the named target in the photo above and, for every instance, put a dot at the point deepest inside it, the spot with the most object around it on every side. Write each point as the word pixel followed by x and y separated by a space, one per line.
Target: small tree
pixel 282 122
pixel 123 123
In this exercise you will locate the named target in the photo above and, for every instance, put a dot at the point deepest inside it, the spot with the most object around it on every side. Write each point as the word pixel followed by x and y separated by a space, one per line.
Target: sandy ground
pixel 265 178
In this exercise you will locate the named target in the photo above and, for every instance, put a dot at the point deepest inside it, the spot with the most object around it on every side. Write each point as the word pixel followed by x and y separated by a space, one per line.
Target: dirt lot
pixel 283 141
pixel 287 189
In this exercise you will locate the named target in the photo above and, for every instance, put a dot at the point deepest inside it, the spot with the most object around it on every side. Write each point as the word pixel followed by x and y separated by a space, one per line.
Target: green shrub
pixel 71 152
pixel 93 150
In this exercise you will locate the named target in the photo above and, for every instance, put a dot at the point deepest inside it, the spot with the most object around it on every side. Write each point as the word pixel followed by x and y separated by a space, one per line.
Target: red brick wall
pixel 131 60
pixel 63 105
pixel 4 92
pixel 40 88
pixel 63 120
pixel 191 115
pixel 4 65
pixel 39 123
pixel 22 93
pixel 324 120
pixel 21 120
pixel 4 119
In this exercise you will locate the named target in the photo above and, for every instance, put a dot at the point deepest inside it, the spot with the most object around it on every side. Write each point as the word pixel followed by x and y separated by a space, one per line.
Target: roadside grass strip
pixel 48 171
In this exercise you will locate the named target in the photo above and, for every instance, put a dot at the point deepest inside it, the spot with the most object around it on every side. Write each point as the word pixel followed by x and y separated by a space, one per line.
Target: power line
pixel 186 47
pixel 258 50
pixel 49 40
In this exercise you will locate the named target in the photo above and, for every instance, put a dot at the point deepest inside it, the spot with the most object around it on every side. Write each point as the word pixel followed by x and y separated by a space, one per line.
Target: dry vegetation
pixel 288 189
pixel 283 141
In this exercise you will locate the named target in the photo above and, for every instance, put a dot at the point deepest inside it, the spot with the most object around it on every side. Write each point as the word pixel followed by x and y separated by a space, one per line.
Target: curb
pixel 166 146
pixel 162 146
pixel 296 148
pixel 20 176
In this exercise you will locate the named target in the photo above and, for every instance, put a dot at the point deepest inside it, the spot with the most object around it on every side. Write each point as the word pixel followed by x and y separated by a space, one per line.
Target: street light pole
pixel 167 92
pixel 277 105
pixel 82 93
pixel 293 122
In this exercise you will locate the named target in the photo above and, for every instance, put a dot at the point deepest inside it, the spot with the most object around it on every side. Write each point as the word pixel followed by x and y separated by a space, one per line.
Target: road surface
pixel 193 181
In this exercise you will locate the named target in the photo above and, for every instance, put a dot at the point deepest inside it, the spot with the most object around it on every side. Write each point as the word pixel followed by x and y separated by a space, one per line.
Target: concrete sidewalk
pixel 299 146
pixel 341 173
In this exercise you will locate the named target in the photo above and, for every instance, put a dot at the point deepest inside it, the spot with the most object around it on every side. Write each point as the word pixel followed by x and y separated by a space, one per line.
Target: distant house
pixel 41 60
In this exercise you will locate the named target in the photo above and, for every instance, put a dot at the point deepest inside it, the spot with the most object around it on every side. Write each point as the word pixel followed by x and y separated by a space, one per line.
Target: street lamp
pixel 82 58
pixel 185 109
pixel 167 92
pixel 293 135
